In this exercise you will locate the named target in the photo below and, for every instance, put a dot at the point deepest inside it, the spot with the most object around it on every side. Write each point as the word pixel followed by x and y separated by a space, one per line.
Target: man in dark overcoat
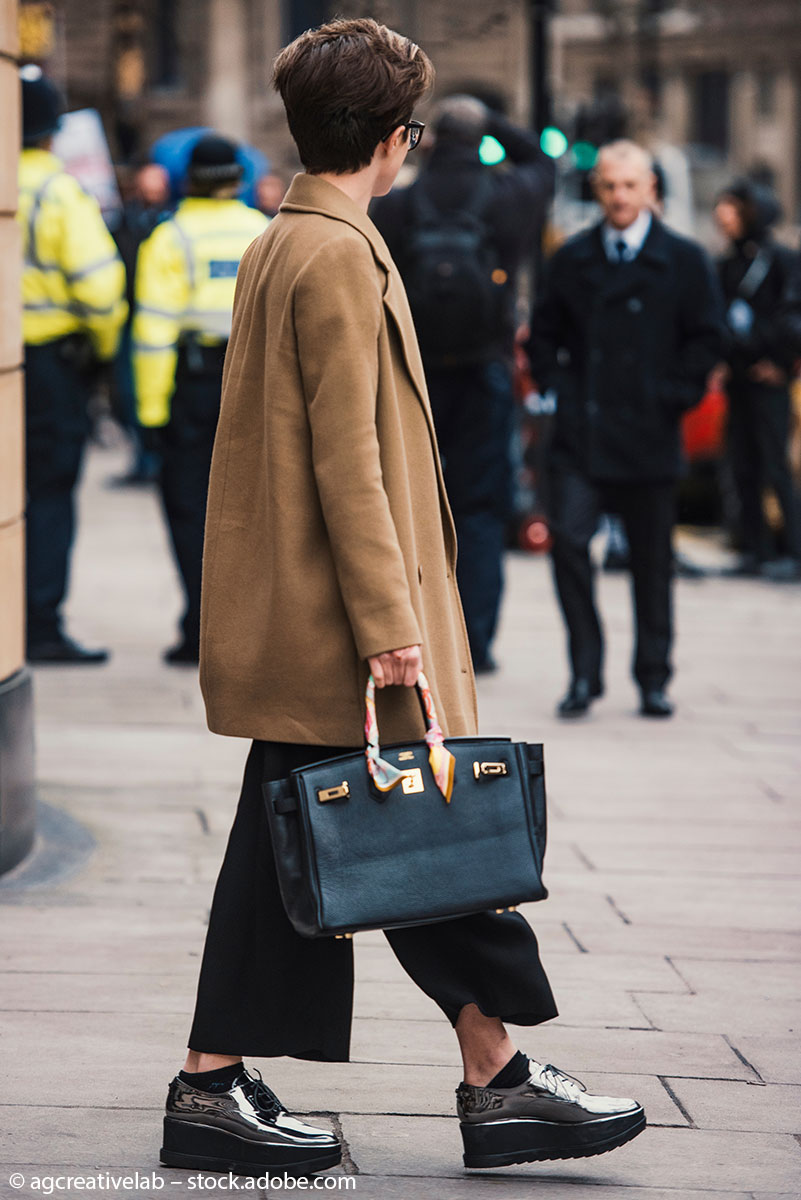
pixel 626 329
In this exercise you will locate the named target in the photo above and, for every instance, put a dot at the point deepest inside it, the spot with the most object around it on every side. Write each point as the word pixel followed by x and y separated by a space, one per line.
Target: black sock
pixel 513 1074
pixel 221 1080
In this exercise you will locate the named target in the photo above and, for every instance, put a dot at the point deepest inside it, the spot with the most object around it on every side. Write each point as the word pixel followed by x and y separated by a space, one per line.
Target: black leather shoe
pixel 654 703
pixel 245 1130
pixel 578 698
pixel 782 570
pixel 550 1116
pixel 184 654
pixel 63 650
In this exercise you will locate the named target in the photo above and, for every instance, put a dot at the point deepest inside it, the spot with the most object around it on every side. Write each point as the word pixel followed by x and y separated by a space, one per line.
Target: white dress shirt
pixel 633 235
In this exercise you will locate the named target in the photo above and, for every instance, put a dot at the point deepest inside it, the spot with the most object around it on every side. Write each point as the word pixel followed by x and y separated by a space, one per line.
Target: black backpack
pixel 452 277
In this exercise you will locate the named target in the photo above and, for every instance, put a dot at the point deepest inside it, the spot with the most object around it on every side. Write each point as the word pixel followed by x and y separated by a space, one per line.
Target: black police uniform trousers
pixel 758 434
pixel 472 407
pixel 186 463
pixel 647 511
pixel 264 990
pixel 56 429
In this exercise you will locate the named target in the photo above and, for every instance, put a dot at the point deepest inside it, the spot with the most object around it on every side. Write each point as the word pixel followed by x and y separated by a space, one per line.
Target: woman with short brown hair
pixel 330 553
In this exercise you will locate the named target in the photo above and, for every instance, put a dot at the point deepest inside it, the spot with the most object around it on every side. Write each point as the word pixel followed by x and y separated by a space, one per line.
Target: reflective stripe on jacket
pixel 185 279
pixel 73 279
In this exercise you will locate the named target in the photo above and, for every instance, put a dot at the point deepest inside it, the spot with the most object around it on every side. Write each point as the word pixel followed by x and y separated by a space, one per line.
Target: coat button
pixel 635 305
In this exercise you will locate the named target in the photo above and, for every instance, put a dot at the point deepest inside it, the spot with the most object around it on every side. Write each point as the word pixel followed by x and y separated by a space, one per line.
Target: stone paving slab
pixel 721 1012
pixel 778 1059
pixel 774 1108
pixel 676 1158
pixel 577 1050
pixel 687 941
pixel 769 980
pixel 671 856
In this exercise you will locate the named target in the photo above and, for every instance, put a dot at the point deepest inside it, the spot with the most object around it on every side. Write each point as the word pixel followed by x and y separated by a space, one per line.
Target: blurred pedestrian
pixel 757 276
pixel 330 555
pixel 143 210
pixel 270 191
pixel 73 289
pixel 458 236
pixel 185 279
pixel 626 329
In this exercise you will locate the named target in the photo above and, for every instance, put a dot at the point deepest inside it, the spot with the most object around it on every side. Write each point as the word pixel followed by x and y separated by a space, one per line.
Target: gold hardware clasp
pixel 489 768
pixel 334 793
pixel 343 937
pixel 413 782
pixel 406 756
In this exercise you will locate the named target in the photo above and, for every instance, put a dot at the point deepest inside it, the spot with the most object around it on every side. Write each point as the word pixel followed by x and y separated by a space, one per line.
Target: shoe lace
pixel 561 1083
pixel 263 1097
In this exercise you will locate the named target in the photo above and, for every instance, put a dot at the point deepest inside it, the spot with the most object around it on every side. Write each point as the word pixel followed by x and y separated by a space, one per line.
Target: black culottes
pixel 266 991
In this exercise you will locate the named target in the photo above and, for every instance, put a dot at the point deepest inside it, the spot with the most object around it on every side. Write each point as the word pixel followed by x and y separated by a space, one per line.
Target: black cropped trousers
pixel 266 991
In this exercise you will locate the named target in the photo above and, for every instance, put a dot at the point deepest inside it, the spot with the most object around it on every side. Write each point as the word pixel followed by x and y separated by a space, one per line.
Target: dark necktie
pixel 621 248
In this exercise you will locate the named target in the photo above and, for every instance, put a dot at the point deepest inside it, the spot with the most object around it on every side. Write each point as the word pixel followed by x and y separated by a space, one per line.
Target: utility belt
pixel 201 353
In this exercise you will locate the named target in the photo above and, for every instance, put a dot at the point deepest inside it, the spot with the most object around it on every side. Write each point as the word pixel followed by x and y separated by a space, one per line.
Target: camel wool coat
pixel 328 533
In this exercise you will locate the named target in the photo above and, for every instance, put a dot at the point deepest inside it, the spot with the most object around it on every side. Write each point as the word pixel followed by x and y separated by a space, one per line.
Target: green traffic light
pixel 553 142
pixel 584 155
pixel 491 152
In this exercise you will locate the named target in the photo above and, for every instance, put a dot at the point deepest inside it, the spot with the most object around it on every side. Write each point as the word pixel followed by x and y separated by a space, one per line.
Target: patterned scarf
pixel 384 774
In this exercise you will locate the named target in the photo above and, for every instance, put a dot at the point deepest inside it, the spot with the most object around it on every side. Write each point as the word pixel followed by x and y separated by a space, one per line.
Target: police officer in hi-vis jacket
pixel 73 298
pixel 185 278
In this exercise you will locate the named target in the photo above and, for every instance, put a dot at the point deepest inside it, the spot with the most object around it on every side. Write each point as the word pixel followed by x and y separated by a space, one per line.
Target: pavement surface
pixel 670 936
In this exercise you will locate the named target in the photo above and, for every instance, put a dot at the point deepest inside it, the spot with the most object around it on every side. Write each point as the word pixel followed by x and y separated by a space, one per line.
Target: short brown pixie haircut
pixel 346 85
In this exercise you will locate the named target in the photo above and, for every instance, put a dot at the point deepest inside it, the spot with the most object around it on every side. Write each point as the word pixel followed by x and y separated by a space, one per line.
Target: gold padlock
pixel 413 782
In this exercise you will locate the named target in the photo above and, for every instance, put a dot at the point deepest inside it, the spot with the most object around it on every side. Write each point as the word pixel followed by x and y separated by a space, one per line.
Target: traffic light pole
pixel 539 56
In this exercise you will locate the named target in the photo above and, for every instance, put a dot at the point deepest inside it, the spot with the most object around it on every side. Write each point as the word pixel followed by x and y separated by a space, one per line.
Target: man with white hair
pixel 626 329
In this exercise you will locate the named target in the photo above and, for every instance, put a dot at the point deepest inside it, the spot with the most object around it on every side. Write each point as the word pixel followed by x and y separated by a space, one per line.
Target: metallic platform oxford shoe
pixel 245 1130
pixel 551 1115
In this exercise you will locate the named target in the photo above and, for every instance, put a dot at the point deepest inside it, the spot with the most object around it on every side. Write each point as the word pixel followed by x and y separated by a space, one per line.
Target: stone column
pixel 227 97
pixel 16 725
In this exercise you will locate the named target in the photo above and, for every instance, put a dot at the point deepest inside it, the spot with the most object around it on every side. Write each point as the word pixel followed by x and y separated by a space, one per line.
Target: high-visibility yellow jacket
pixel 185 279
pixel 73 279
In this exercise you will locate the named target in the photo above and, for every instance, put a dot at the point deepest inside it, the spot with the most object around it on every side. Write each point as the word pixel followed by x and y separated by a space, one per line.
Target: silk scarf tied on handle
pixel 385 775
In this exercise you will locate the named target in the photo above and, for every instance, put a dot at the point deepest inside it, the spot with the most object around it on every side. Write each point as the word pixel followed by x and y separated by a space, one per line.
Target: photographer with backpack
pixel 458 235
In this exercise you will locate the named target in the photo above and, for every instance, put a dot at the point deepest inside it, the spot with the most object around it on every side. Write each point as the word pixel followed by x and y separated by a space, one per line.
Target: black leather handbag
pixel 409 835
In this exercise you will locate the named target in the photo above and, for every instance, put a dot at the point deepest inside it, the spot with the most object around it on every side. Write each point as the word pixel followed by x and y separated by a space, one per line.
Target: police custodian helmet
pixel 41 106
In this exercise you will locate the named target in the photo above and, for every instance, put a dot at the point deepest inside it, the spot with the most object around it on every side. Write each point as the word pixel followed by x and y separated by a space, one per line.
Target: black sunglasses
pixel 413 128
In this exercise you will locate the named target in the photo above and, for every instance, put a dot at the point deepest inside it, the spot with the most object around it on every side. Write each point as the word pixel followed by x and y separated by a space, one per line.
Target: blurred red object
pixel 534 534
pixel 704 427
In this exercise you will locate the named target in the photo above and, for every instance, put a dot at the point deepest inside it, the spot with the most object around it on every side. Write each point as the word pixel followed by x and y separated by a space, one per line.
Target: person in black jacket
pixel 626 329
pixel 458 236
pixel 763 305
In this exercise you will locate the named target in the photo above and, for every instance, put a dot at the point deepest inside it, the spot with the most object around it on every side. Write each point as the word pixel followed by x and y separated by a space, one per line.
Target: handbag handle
pixel 385 775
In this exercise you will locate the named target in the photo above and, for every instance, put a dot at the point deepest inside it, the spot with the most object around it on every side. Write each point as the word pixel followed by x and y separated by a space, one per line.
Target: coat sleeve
pixel 701 338
pixel 547 327
pixel 338 312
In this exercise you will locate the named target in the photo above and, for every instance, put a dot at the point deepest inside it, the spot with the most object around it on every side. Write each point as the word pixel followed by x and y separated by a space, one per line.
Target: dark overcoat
pixel 627 348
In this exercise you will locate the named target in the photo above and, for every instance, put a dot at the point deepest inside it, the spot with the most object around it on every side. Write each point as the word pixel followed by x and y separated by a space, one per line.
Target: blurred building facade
pixel 16 727
pixel 719 78
pixel 150 66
